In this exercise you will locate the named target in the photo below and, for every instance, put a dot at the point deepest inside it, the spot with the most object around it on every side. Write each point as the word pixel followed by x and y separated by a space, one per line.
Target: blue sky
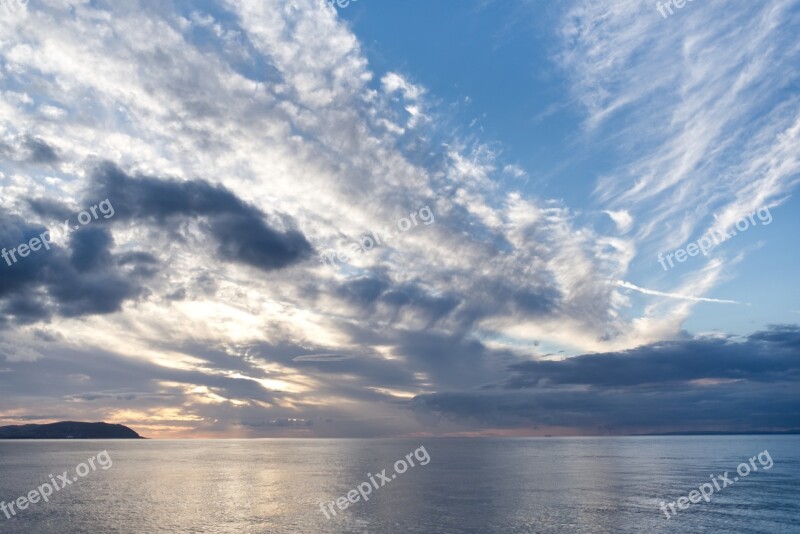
pixel 505 63
pixel 559 148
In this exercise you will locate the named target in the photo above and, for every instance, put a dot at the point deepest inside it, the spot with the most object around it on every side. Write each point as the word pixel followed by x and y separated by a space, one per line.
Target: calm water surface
pixel 479 485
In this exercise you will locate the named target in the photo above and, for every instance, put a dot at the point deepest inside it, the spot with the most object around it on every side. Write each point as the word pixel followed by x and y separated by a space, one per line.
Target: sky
pixel 285 218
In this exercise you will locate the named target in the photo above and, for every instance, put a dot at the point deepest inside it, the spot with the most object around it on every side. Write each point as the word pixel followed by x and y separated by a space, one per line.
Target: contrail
pixel 628 285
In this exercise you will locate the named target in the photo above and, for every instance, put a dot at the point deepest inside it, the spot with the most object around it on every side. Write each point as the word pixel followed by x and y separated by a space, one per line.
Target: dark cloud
pixel 363 291
pixel 727 407
pixel 39 151
pixel 76 280
pixel 13 231
pixel 95 293
pixel 47 336
pixel 50 209
pixel 482 297
pixel 24 309
pixel 429 307
pixel 763 357
pixel 702 384
pixel 29 149
pixel 138 264
pixel 377 290
pixel 90 250
pixel 240 230
pixel 535 302
pixel 85 277
pixel 136 258
pixel 248 239
pixel 451 360
pixel 177 295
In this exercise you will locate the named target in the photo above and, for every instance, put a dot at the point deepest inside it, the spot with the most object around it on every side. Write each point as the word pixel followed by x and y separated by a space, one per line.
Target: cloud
pixel 321 358
pixel 240 230
pixel 700 119
pixel 622 219
pixel 49 208
pixel 71 281
pixel 15 353
pixel 235 139
pixel 393 82
pixel 29 149
pixel 40 152
pixel 515 170
pixel 695 384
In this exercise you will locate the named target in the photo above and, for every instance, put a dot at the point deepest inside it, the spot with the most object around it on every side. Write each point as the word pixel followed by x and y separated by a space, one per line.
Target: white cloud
pixel 393 82
pixel 622 219
pixel 314 138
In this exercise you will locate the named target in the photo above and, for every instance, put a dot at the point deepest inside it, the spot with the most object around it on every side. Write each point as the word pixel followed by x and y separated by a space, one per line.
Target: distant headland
pixel 68 430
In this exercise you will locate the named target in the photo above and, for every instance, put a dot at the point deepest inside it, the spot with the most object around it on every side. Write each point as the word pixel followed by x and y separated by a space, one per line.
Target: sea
pixel 418 485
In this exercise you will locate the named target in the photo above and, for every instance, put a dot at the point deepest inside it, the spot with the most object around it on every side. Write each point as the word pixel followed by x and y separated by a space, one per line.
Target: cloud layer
pixel 239 140
pixel 705 384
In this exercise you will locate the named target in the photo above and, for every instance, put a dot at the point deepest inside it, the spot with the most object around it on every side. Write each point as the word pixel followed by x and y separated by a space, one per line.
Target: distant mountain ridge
pixel 68 430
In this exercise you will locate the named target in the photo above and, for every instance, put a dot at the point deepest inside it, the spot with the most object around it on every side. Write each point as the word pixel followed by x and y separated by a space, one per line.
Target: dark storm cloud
pixel 73 281
pixel 240 230
pixel 702 384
